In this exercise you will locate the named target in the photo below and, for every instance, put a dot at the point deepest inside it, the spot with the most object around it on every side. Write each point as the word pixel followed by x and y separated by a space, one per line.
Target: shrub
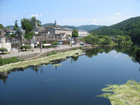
pixel 74 48
pixel 134 48
pixel 25 46
pixel 53 53
pixel 55 43
pixel 3 49
pixel 8 60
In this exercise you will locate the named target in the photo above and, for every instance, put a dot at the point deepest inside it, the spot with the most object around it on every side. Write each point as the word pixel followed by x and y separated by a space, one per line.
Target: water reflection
pixel 89 53
pixel 55 63
pixel 123 49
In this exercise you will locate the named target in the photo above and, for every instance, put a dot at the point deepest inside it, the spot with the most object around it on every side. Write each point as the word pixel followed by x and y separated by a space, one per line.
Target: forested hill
pixel 83 27
pixel 129 27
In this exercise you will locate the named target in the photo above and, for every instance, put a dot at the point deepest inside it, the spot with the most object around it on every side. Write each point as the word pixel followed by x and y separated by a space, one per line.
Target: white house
pixel 82 33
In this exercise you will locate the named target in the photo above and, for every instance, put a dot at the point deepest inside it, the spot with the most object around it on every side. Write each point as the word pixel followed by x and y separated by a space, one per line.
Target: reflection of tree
pixel 122 48
pixel 95 51
pixel 107 49
pixel 138 56
pixel 75 58
pixel 92 52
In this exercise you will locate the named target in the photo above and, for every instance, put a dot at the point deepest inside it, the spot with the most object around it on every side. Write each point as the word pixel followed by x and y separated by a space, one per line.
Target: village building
pixel 50 34
pixel 4 42
pixel 9 31
pixel 82 33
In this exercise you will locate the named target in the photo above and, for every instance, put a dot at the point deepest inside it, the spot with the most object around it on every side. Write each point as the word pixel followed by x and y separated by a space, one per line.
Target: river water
pixel 76 81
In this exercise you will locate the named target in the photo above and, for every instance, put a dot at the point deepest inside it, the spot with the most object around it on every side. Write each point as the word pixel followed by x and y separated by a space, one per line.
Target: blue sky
pixel 69 12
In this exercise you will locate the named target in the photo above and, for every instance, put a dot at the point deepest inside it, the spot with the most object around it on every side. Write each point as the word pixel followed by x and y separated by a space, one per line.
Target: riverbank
pixel 37 53
pixel 47 59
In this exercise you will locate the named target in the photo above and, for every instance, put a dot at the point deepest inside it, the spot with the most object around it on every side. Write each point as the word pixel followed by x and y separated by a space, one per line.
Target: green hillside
pixel 89 27
pixel 83 27
pixel 129 27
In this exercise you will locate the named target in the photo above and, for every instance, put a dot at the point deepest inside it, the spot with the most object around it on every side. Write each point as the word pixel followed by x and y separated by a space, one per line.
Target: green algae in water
pixel 125 94
pixel 131 58
pixel 38 61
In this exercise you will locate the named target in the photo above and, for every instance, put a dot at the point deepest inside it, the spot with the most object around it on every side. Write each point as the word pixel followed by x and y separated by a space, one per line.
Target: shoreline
pixel 36 53
pixel 47 59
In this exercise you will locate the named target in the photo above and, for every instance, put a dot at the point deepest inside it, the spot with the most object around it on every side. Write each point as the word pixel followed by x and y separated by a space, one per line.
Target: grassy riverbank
pixel 47 59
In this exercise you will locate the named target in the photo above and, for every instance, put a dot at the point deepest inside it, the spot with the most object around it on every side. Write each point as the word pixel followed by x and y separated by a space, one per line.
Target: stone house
pixel 4 42
pixel 9 31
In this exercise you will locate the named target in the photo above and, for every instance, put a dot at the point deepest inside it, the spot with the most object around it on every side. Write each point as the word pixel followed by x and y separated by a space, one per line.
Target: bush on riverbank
pixel 53 53
pixel 74 48
pixel 8 60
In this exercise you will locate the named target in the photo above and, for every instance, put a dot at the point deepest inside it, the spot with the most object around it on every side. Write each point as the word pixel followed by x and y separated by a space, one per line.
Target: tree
pixel 18 31
pixel 75 33
pixel 92 39
pixel 107 40
pixel 15 28
pixel 127 38
pixel 23 22
pixel 1 26
pixel 28 28
pixel 29 35
pixel 32 21
pixel 16 24
pixel 120 39
pixel 54 43
pixel 3 49
pixel 12 35
pixel 25 46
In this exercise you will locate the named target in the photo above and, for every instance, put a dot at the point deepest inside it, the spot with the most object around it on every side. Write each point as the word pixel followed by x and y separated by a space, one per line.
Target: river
pixel 74 81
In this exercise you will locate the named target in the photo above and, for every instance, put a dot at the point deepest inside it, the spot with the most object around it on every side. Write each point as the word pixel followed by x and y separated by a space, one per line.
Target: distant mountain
pixel 89 27
pixel 83 27
pixel 12 26
pixel 129 27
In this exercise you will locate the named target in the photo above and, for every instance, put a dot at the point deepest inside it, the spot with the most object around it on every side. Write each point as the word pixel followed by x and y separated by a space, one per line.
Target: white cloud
pixel 118 14
pixel 36 15
pixel 94 21
pixel 41 14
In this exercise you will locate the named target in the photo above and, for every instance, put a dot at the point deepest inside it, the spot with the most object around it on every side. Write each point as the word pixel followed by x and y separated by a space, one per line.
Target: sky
pixel 69 12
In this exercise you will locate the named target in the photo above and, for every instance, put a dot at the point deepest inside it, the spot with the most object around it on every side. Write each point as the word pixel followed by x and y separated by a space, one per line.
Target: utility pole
pixel 71 42
pixel 41 42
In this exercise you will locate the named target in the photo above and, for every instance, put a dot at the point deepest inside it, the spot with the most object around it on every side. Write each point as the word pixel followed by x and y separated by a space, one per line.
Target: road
pixel 37 51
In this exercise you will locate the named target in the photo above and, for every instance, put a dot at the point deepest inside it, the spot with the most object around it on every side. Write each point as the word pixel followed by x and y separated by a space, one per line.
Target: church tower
pixel 55 23
pixel 35 22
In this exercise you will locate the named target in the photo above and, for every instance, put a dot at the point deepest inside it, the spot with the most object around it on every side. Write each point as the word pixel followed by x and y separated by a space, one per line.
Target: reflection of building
pixel 4 42
pixel 82 33
pixel 3 76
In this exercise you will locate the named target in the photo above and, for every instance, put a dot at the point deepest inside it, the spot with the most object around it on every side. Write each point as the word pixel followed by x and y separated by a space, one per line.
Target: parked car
pixel 74 43
pixel 83 44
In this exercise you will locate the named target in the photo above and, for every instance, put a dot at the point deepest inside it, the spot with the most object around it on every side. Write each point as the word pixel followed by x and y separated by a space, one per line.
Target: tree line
pixel 130 27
